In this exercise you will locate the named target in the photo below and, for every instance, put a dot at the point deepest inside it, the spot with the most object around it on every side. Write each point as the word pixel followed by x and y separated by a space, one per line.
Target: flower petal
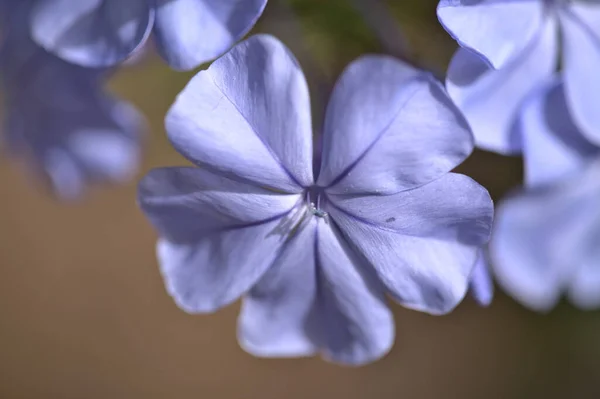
pixel 490 99
pixel 389 128
pixel 191 32
pixel 218 236
pixel 584 287
pixel 498 30
pixel 481 286
pixel 317 296
pixel 92 33
pixel 185 204
pixel 581 36
pixel 553 146
pixel 423 243
pixel 248 115
pixel 535 253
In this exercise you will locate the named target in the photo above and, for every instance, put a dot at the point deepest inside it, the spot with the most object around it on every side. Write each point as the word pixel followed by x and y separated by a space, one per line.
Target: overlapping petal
pixel 581 37
pixel 423 243
pixel 553 145
pixel 92 33
pixel 248 115
pixel 498 30
pixel 317 297
pixel 190 32
pixel 389 128
pixel 218 236
pixel 490 99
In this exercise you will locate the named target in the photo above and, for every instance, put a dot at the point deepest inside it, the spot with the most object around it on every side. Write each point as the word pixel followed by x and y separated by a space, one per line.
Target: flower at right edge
pixel 546 236
pixel 313 256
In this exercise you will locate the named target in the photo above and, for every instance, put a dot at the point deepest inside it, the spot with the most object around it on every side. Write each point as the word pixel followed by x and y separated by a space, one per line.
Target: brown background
pixel 83 311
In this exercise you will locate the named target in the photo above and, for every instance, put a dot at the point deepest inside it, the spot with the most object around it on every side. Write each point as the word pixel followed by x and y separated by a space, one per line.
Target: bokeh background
pixel 83 310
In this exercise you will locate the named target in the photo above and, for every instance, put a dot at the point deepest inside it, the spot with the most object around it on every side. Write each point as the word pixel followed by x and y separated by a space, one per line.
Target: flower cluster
pixel 526 77
pixel 316 230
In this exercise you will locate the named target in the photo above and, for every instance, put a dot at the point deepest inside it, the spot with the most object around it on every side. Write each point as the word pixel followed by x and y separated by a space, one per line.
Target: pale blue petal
pixel 481 286
pixel 218 236
pixel 184 204
pixel 92 33
pixel 389 128
pixel 581 37
pixel 423 243
pixel 490 99
pixel 248 115
pixel 279 316
pixel 316 298
pixel 553 146
pixel 498 30
pixel 191 32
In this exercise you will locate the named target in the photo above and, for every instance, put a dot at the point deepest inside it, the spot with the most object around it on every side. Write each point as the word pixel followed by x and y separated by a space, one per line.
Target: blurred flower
pixel 57 116
pixel 315 256
pixel 547 236
pixel 510 47
pixel 101 33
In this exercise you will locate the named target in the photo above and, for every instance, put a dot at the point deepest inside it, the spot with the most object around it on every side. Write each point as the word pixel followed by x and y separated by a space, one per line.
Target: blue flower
pixel 314 256
pixel 57 116
pixel 547 235
pixel 101 33
pixel 509 48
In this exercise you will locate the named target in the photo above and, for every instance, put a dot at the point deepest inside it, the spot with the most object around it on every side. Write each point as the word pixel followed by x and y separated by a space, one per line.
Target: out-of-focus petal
pixel 318 297
pixel 481 286
pixel 581 37
pixel 423 243
pixel 490 99
pixel 92 33
pixel 389 128
pixel 584 287
pixel 191 32
pixel 553 146
pixel 218 236
pixel 540 237
pixel 248 115
pixel 498 30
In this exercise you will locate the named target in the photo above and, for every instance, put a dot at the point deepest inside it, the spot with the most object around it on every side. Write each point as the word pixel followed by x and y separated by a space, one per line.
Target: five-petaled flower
pixel 100 33
pixel 314 253
pixel 58 116
pixel 521 41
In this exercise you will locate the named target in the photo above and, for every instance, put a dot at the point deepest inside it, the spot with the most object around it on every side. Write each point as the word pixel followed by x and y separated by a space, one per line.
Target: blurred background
pixel 83 310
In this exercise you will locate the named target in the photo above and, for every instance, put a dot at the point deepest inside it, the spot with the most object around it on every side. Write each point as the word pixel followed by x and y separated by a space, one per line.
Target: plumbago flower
pixel 314 253
pixel 509 47
pixel 101 33
pixel 57 116
pixel 547 236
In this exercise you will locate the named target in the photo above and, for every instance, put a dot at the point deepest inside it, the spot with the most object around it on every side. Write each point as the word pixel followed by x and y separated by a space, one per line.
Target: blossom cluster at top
pixel 317 232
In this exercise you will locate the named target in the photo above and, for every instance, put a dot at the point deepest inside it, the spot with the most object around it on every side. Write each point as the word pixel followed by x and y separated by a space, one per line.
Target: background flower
pixel 101 33
pixel 509 48
pixel 546 235
pixel 59 118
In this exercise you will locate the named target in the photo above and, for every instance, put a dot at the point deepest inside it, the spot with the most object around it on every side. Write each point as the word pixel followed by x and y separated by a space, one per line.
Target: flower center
pixel 315 199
